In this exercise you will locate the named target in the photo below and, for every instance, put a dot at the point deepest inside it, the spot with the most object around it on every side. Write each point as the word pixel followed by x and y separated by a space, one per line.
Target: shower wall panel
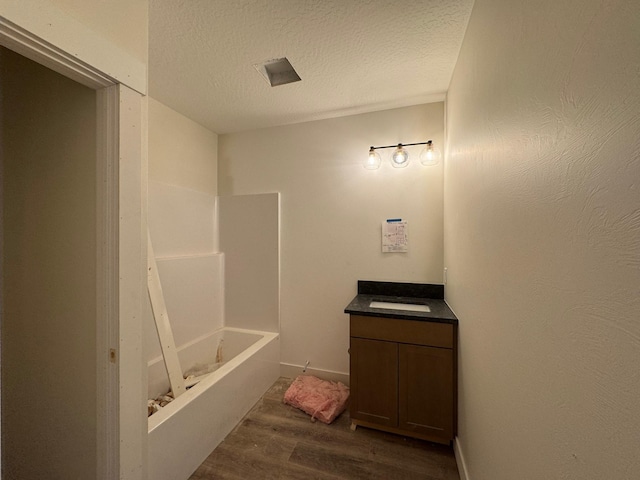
pixel 249 236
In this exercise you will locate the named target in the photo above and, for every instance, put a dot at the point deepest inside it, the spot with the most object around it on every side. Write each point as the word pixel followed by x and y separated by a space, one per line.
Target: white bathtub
pixel 182 434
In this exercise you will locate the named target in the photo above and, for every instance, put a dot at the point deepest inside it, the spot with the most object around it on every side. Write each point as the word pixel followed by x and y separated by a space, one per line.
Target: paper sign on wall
pixel 395 237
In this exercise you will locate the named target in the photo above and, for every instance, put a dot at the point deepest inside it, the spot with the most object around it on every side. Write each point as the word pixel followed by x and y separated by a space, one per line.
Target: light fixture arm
pixel 428 142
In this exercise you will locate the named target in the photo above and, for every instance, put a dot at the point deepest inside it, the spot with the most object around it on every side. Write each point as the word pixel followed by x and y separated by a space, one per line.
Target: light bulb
pixel 400 157
pixel 430 155
pixel 373 161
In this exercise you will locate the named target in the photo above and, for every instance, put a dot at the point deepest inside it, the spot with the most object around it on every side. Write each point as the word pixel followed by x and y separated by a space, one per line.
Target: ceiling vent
pixel 277 72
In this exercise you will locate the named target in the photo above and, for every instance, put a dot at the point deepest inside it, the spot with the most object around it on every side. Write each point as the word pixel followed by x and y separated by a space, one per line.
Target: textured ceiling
pixel 354 56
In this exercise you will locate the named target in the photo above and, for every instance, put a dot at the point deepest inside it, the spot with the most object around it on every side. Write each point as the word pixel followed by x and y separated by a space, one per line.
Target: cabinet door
pixel 426 390
pixel 374 381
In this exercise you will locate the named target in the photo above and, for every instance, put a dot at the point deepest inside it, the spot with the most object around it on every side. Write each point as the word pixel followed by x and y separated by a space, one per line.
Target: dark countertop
pixel 401 293
pixel 440 312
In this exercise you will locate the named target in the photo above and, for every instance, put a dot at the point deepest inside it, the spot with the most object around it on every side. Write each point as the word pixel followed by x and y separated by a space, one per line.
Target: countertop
pixel 409 293
pixel 440 312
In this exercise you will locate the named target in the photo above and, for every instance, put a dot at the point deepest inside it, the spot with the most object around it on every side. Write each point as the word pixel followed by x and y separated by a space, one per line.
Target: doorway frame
pixel 121 254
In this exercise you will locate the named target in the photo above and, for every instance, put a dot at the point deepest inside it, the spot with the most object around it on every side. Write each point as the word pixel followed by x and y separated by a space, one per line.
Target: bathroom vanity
pixel 403 358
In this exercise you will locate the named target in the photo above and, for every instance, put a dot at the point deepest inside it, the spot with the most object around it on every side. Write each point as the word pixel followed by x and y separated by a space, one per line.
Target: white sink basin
pixel 409 307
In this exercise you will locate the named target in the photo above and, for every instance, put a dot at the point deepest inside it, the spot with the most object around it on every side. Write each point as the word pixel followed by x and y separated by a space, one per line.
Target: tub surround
pixel 204 293
pixel 397 292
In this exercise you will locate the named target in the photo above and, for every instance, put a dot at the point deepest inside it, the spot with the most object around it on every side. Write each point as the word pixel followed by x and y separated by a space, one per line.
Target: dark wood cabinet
pixel 403 376
pixel 426 390
pixel 374 381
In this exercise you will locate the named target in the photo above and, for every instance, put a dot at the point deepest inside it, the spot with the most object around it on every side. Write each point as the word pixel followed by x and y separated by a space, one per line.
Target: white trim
pixel 144 193
pixel 462 465
pixel 28 45
pixel 280 265
pixel 132 285
pixel 107 283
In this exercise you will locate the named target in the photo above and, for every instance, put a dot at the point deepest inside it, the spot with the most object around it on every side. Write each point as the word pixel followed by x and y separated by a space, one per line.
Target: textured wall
pixel 542 239
pixel 331 213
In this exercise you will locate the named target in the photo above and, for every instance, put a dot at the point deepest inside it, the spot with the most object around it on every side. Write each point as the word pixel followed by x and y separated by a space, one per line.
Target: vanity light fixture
pixel 429 156
pixel 400 157
pixel 373 161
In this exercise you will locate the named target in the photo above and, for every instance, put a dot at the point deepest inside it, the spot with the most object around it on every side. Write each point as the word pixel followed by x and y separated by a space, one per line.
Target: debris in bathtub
pixel 219 355
pixel 155 404
pixel 199 371
pixel 152 407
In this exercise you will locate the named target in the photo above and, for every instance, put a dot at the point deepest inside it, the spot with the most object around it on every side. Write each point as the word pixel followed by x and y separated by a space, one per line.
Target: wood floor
pixel 277 441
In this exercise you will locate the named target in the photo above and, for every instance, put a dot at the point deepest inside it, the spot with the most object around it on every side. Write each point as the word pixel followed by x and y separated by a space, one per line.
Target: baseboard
pixel 462 465
pixel 292 371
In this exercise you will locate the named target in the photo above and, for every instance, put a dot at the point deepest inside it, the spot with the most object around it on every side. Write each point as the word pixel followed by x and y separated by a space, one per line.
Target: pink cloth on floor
pixel 321 399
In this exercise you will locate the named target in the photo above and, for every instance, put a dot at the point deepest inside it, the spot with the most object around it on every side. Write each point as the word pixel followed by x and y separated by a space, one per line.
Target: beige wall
pixel 110 36
pixel 122 22
pixel 48 149
pixel 542 229
pixel 331 213
pixel 181 152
